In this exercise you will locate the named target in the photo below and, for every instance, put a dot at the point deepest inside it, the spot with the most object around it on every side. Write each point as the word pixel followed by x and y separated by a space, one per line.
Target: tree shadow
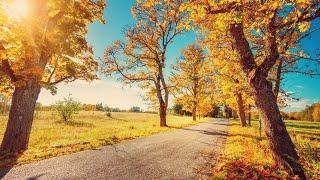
pixel 212 133
pixel 220 123
pixel 36 176
pixel 248 136
pixel 76 123
pixel 305 133
pixel 298 126
pixel 8 161
pixel 118 119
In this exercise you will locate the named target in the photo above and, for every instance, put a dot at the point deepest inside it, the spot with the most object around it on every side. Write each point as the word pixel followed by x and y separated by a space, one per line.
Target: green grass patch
pixel 247 155
pixel 52 137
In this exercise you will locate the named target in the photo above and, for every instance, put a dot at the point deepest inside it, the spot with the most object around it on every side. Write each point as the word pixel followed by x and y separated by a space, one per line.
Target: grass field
pixel 247 156
pixel 88 130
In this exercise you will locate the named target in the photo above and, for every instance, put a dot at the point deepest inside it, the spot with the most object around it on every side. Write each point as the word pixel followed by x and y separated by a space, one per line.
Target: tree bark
pixel 194 113
pixel 162 104
pixel 278 80
pixel 241 112
pixel 16 137
pixel 249 115
pixel 283 149
pixel 163 115
pixel 281 145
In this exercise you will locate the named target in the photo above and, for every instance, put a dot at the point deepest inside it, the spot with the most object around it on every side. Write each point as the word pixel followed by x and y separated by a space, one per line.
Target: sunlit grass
pixel 247 155
pixel 88 130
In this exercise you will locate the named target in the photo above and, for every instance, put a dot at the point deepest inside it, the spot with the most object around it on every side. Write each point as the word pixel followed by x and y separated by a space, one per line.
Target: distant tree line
pixel 5 106
pixel 178 109
pixel 310 113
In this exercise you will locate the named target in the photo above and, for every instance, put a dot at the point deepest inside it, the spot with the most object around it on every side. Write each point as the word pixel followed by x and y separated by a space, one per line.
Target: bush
pixel 135 109
pixel 99 107
pixel 109 114
pixel 67 108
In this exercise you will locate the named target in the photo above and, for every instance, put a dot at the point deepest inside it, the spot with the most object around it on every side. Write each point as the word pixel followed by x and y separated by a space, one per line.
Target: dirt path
pixel 174 155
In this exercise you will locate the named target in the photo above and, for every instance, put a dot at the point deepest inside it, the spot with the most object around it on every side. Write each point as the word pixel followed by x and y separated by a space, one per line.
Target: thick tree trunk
pixel 276 89
pixel 283 149
pixel 241 112
pixel 281 145
pixel 16 137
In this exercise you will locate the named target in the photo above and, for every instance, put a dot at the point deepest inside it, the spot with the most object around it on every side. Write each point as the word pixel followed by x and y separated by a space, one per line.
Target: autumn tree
pixel 141 58
pixel 316 112
pixel 241 20
pixel 190 79
pixel 43 43
pixel 234 88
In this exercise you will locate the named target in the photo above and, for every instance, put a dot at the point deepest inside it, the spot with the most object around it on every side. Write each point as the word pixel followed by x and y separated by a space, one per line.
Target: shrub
pixel 67 108
pixel 99 107
pixel 108 114
pixel 135 109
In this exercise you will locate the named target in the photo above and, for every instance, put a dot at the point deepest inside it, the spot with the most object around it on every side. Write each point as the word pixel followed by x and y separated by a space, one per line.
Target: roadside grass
pixel 247 155
pixel 52 137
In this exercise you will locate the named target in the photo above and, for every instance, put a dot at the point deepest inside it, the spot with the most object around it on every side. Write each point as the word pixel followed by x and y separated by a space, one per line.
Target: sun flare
pixel 18 9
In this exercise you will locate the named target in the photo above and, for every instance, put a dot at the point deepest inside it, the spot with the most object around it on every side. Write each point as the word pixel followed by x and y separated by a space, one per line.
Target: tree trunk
pixel 163 115
pixel 276 89
pixel 283 149
pixel 241 112
pixel 194 113
pixel 249 115
pixel 16 137
pixel 281 145
pixel 163 103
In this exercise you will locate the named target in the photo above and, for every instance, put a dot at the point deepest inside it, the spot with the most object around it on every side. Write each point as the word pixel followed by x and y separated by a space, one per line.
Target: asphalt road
pixel 180 154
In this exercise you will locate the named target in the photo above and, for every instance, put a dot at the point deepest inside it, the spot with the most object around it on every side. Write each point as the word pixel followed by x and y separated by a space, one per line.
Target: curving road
pixel 180 154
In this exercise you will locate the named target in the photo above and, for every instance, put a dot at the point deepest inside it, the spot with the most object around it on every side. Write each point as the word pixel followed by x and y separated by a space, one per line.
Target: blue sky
pixel 305 87
pixel 113 93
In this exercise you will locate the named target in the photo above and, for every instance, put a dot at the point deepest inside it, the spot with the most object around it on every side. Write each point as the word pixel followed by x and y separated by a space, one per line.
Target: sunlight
pixel 18 9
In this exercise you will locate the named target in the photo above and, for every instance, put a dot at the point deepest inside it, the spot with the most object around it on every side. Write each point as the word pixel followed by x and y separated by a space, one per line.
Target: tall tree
pixel 235 90
pixel 242 20
pixel 43 44
pixel 190 79
pixel 142 57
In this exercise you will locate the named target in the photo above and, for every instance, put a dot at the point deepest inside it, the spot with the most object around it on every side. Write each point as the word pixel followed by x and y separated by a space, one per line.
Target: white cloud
pixel 294 105
pixel 107 92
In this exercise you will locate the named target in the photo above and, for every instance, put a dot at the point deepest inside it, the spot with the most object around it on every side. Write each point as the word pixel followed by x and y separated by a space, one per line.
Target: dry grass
pixel 52 137
pixel 247 155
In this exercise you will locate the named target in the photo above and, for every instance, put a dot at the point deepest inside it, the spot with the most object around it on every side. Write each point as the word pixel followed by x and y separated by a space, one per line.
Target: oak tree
pixel 240 20
pixel 43 43
pixel 190 80
pixel 142 58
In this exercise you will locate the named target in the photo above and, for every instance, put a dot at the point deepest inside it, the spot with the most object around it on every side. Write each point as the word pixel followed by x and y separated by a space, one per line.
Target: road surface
pixel 179 154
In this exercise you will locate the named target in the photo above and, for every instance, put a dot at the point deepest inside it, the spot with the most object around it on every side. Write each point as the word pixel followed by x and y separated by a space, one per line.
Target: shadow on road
pixel 221 123
pixel 212 133
pixel 36 177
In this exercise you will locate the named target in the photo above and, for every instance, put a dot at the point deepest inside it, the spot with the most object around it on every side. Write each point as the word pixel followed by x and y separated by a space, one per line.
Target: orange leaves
pixel 191 81
pixel 52 34
pixel 304 26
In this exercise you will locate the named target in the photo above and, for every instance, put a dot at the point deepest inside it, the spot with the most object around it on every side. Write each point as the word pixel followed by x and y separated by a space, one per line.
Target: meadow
pixel 247 155
pixel 50 136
